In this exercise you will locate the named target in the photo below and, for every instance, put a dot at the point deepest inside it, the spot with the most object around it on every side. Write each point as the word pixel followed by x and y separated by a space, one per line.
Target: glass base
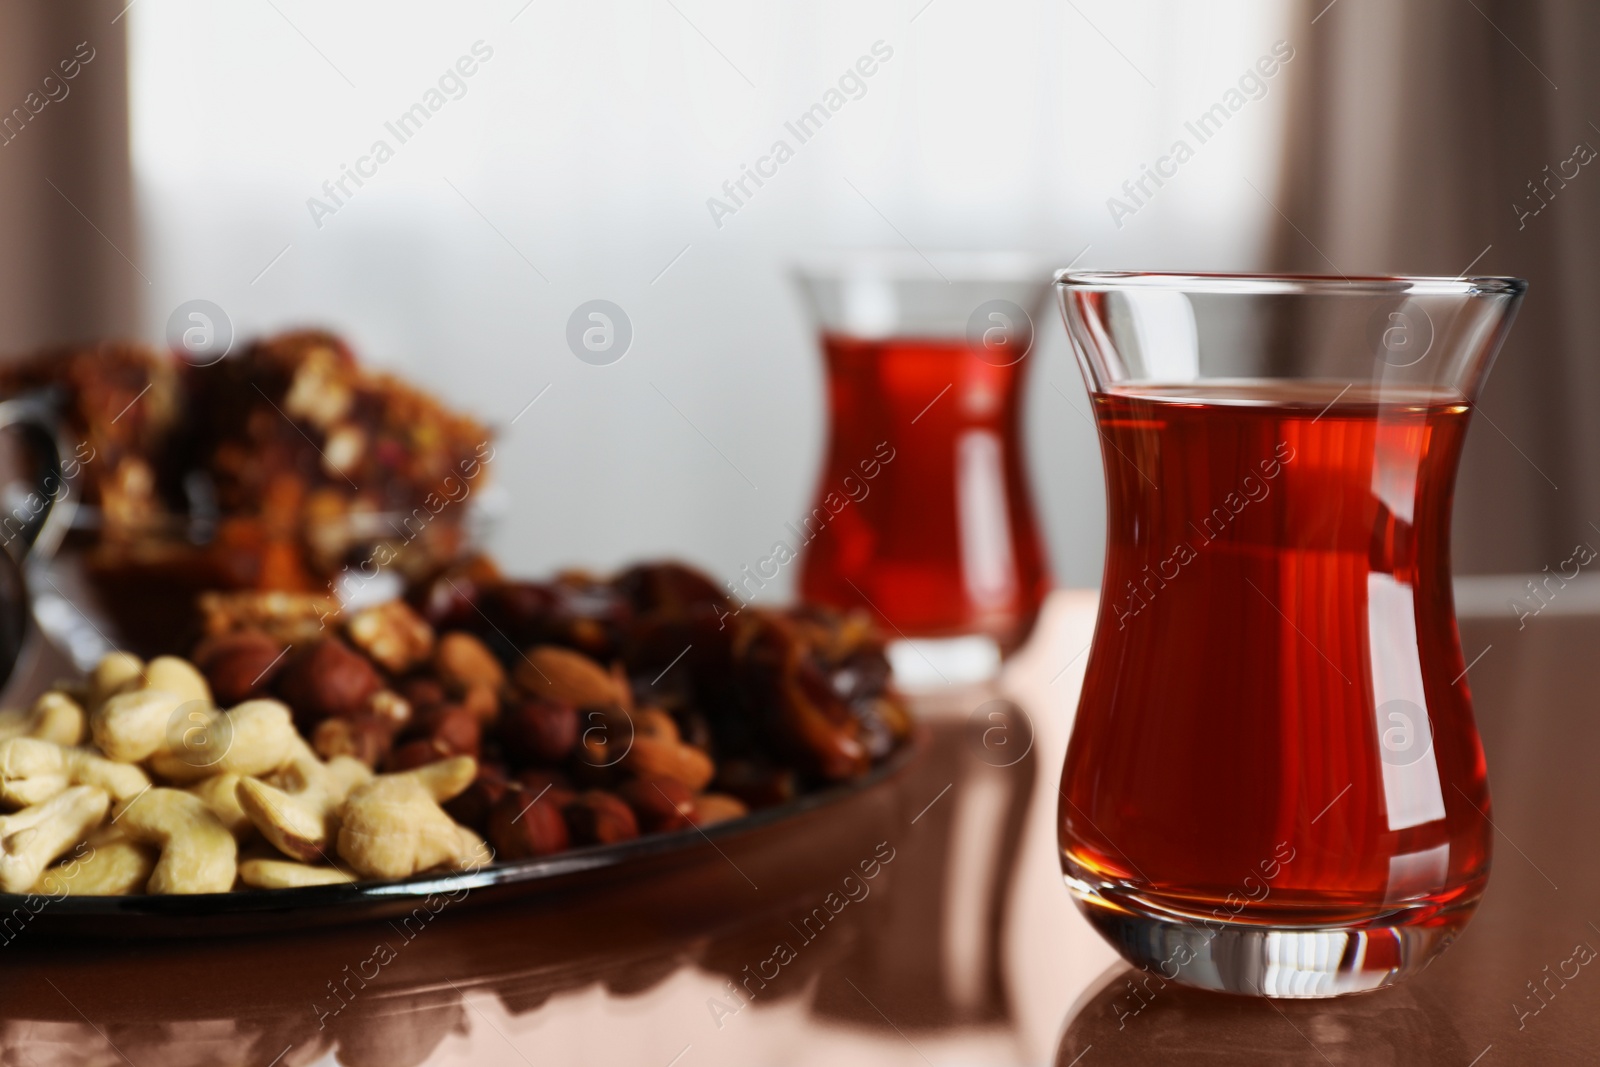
pixel 1277 961
pixel 922 663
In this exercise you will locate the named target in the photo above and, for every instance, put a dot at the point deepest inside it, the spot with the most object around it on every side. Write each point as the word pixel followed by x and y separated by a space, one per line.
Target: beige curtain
pixel 1414 131
pixel 67 235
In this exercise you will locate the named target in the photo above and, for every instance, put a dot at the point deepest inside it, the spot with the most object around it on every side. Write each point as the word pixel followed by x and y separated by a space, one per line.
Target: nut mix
pixel 304 744
pixel 479 717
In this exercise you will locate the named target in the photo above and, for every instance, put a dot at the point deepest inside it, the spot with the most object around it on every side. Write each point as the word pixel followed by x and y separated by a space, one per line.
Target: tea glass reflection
pixel 923 515
pixel 1274 784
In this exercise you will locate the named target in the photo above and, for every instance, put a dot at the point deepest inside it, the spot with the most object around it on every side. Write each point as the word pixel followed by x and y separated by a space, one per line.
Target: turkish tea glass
pixel 1274 784
pixel 922 515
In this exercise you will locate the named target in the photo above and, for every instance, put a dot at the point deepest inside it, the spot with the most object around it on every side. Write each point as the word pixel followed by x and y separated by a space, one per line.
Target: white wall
pixel 591 141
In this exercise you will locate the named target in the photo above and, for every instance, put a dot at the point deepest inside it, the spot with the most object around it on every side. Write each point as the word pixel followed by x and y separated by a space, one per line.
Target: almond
pixel 712 808
pixel 671 760
pixel 465 661
pixel 483 701
pixel 566 676
pixel 658 805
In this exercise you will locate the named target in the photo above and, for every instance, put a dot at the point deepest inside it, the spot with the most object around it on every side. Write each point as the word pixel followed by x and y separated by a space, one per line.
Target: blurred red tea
pixel 922 514
pixel 942 540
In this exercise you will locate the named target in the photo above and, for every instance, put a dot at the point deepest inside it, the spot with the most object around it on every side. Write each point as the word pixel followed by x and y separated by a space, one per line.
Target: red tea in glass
pixel 1274 783
pixel 942 541
pixel 923 514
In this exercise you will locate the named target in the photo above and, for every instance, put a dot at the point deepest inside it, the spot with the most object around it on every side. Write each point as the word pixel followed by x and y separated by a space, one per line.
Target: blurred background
pixel 187 159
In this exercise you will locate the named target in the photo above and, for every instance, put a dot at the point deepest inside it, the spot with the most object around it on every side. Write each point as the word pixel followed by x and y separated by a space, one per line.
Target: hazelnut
pixel 534 730
pixel 517 606
pixel 756 785
pixel 240 665
pixel 465 661
pixel 658 805
pixel 328 679
pixel 559 784
pixel 367 738
pixel 423 692
pixel 669 589
pixel 472 807
pixel 413 754
pixel 396 637
pixel 452 729
pixel 570 677
pixel 524 824
pixel 596 817
pixel 451 598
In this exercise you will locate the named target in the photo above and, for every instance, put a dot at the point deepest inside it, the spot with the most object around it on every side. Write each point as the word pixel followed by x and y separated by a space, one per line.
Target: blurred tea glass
pixel 922 515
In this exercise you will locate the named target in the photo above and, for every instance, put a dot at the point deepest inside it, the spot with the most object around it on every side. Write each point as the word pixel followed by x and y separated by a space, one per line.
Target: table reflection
pixel 967 948
pixel 1133 1017
pixel 879 914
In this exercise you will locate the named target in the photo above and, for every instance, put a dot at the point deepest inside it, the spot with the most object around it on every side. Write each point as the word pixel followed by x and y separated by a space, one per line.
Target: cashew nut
pixel 33 770
pixel 178 677
pixel 286 874
pixel 220 793
pixel 55 716
pixel 298 810
pixel 198 854
pixel 393 826
pixel 444 779
pixel 74 689
pixel 253 738
pixel 133 719
pixel 31 839
pixel 113 867
pixel 131 724
pixel 117 672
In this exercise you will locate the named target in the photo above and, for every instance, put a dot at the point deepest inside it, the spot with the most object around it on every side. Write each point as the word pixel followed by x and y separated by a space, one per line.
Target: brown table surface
pixel 963 949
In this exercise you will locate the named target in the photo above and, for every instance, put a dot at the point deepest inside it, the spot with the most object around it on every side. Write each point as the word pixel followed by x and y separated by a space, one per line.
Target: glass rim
pixel 1303 284
pixel 913 265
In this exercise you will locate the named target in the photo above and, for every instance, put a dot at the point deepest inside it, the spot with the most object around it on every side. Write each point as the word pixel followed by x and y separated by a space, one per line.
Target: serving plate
pixel 249 911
